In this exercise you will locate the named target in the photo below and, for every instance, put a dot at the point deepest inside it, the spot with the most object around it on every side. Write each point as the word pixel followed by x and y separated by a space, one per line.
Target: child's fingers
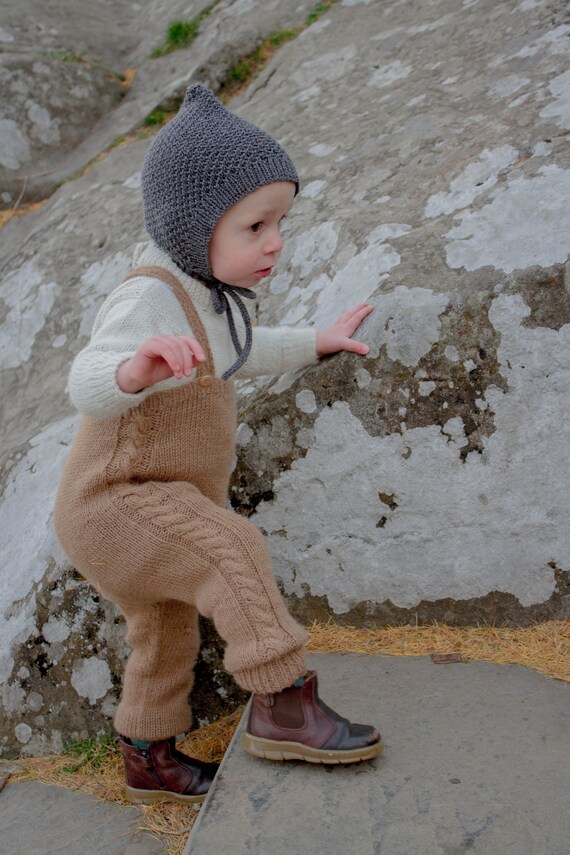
pixel 356 347
pixel 196 349
pixel 361 311
pixel 191 354
pixel 172 354
pixel 185 356
pixel 179 353
pixel 358 312
pixel 356 317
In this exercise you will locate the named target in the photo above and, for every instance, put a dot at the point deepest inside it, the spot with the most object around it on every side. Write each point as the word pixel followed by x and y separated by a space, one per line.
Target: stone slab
pixel 39 819
pixel 475 761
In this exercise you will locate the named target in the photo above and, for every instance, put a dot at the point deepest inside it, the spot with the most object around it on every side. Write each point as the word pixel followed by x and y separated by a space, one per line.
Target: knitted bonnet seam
pixel 200 164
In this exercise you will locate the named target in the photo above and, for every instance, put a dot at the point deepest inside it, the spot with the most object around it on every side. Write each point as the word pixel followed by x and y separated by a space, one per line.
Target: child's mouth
pixel 265 272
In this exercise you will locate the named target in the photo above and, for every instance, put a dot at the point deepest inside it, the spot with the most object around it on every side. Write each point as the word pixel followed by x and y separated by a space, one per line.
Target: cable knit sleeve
pixel 277 350
pixel 122 324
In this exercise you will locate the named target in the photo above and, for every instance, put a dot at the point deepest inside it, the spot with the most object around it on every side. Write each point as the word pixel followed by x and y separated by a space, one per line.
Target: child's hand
pixel 338 336
pixel 159 358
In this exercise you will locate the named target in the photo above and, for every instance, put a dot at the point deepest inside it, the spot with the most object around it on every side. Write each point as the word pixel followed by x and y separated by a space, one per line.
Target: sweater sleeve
pixel 277 350
pixel 120 327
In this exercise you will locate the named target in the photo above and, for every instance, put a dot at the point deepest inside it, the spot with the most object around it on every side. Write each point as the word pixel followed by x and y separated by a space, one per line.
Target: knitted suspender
pixel 163 275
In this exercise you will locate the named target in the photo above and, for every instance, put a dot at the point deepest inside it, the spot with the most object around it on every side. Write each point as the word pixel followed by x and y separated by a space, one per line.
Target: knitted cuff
pixel 150 724
pixel 274 676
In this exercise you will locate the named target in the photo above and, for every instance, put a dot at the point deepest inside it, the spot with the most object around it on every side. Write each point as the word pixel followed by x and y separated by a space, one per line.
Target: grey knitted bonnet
pixel 200 164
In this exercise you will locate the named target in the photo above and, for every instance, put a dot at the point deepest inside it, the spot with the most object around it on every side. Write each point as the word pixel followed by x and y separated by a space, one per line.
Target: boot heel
pixel 263 749
pixel 143 797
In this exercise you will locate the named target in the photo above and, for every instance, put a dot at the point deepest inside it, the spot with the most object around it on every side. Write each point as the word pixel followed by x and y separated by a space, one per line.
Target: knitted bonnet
pixel 200 164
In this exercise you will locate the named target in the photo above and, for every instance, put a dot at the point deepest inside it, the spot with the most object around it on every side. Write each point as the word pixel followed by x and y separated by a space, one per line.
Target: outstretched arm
pixel 339 335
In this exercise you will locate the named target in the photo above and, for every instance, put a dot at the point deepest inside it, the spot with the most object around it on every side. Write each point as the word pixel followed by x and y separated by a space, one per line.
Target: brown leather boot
pixel 296 725
pixel 160 773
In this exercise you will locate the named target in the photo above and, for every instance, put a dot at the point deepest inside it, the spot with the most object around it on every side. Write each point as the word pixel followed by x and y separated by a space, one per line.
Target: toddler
pixel 141 508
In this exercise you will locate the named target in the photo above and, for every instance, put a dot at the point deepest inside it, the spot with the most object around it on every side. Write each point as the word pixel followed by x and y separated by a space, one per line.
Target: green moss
pixel 248 67
pixel 64 56
pixel 280 36
pixel 180 34
pixel 241 71
pixel 157 117
pixel 319 10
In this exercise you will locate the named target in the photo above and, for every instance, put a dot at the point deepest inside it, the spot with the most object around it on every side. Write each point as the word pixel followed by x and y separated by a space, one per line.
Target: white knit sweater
pixel 143 307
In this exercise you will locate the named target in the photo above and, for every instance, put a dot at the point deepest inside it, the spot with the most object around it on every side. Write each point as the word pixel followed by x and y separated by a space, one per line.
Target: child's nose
pixel 274 242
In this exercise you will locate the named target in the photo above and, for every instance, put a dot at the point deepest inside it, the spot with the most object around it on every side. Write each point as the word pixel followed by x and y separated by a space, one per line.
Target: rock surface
pixel 39 819
pixel 472 765
pixel 436 182
pixel 67 76
pixel 428 479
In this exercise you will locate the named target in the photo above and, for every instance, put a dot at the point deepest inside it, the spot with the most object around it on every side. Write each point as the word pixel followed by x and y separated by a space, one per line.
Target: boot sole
pixel 271 749
pixel 153 797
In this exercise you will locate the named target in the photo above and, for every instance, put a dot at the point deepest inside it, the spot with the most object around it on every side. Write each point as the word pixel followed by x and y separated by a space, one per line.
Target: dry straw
pixel 544 647
pixel 98 770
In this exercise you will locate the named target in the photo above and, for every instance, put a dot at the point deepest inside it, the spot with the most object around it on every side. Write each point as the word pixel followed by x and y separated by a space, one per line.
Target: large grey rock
pixel 432 140
pixel 426 480
pixel 61 77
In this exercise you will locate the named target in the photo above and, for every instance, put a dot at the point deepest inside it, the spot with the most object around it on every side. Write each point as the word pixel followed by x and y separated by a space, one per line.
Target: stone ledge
pixel 454 777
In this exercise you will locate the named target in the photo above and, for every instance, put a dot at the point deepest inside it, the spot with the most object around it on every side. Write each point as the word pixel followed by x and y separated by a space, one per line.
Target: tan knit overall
pixel 141 513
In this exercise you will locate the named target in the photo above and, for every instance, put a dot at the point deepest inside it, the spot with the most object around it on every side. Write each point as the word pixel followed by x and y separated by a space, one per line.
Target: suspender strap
pixel 163 275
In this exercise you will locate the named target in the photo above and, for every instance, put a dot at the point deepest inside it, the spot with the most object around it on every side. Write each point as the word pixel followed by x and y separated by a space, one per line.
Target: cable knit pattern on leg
pixel 229 574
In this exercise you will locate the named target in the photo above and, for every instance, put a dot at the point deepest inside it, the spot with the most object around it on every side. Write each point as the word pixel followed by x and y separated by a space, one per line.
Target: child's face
pixel 247 241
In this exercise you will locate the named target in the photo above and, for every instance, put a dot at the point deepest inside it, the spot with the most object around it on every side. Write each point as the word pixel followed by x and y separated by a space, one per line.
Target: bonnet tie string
pixel 221 304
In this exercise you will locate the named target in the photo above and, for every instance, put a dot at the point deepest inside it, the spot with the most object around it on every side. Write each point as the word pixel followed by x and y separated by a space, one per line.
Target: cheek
pixel 239 251
pixel 216 253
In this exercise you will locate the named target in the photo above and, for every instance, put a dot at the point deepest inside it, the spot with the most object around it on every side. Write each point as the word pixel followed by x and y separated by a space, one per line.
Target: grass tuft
pixel 64 56
pixel 180 34
pixel 93 753
pixel 318 11
pixel 249 67
pixel 277 38
pixel 157 117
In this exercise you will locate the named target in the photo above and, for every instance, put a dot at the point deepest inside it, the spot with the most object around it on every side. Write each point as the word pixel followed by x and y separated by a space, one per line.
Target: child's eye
pixel 256 227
